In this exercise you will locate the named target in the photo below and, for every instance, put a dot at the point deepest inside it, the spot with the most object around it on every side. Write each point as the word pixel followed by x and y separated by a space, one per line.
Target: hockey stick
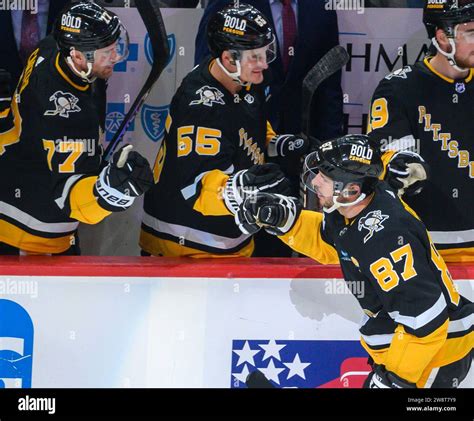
pixel 150 13
pixel 335 59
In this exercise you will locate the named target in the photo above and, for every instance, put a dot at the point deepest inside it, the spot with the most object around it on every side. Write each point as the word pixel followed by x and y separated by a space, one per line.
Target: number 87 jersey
pixel 415 320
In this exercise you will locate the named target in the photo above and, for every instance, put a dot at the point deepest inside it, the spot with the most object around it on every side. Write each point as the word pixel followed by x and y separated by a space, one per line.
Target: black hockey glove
pixel 407 173
pixel 266 177
pixel 274 212
pixel 383 379
pixel 287 145
pixel 5 90
pixel 126 177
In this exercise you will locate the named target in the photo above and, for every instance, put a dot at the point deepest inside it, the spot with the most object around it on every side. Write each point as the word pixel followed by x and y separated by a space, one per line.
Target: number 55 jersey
pixel 210 134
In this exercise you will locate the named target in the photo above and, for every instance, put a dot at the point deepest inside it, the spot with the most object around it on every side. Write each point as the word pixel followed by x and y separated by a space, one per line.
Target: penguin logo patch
pixel 64 103
pixel 400 73
pixel 373 223
pixel 208 96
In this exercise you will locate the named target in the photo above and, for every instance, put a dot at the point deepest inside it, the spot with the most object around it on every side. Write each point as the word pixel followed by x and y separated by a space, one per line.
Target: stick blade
pixel 335 59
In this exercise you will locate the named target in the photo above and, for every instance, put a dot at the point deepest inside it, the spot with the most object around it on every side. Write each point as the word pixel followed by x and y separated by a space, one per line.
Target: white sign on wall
pixel 180 332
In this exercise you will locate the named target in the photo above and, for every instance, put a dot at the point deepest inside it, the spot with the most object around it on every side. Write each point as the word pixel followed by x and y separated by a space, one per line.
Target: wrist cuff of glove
pixel 109 198
pixel 292 208
pixel 287 145
pixel 232 197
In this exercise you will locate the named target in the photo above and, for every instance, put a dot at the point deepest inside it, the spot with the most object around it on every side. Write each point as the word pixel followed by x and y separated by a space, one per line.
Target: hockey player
pixel 50 158
pixel 213 153
pixel 426 110
pixel 417 328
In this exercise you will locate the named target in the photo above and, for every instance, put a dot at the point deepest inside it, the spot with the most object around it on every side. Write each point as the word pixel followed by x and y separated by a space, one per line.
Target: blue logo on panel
pixel 132 56
pixel 153 121
pixel 114 118
pixel 16 346
pixel 149 50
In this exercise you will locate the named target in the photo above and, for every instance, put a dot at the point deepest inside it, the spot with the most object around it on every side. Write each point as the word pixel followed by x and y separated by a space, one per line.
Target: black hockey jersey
pixel 51 155
pixel 210 134
pixel 419 109
pixel 410 303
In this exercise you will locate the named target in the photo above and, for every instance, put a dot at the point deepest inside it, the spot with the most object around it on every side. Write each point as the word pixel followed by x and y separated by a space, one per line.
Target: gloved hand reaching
pixel 275 212
pixel 126 177
pixel 258 178
pixel 407 173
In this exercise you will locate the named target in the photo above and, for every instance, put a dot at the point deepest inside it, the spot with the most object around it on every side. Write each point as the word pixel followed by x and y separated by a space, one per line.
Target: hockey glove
pixel 287 145
pixel 383 379
pixel 407 173
pixel 5 93
pixel 126 177
pixel 276 213
pixel 245 219
pixel 244 183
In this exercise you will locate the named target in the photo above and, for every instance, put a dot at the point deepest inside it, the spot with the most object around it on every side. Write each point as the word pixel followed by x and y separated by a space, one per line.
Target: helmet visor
pixel 310 171
pixel 116 52
pixel 465 32
pixel 262 55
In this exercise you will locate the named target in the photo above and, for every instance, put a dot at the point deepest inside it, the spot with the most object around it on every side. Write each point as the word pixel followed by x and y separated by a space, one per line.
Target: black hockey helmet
pixel 86 27
pixel 446 14
pixel 347 159
pixel 241 27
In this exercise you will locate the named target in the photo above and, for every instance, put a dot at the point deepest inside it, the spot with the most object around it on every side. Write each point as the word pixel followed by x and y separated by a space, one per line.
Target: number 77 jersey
pixel 50 157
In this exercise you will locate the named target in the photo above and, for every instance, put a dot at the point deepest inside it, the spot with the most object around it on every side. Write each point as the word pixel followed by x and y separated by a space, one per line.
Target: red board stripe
pixel 181 267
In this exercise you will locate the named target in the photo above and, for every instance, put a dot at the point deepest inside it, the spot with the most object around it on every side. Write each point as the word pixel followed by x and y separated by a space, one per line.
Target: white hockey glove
pixel 380 378
pixel 244 183
pixel 288 145
pixel 274 212
pixel 126 177
pixel 407 173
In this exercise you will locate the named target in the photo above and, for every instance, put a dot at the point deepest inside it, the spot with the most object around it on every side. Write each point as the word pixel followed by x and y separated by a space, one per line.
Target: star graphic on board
pixel 296 368
pixel 246 354
pixel 241 377
pixel 272 350
pixel 272 372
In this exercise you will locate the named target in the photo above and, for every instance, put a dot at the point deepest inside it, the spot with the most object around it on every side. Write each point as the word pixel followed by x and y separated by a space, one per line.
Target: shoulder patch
pixel 372 222
pixel 64 103
pixel 400 73
pixel 208 95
